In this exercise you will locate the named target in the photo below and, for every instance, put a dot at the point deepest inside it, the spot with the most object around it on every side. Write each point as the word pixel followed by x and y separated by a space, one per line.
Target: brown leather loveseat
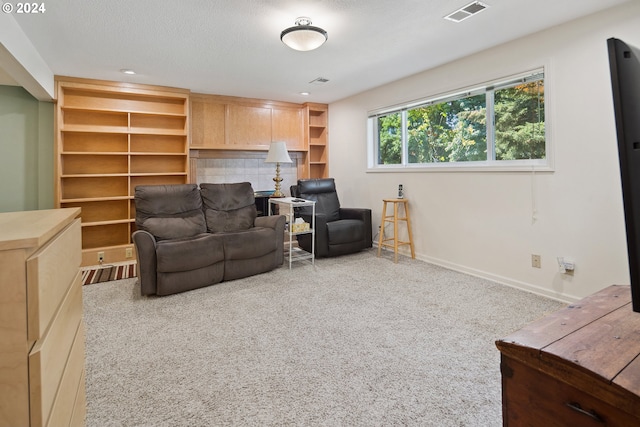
pixel 189 237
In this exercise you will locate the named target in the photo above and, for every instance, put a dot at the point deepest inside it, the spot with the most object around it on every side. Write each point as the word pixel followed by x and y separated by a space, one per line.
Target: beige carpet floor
pixel 353 341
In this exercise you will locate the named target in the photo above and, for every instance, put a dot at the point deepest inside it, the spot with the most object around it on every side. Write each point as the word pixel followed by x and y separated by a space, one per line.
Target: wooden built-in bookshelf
pixel 317 133
pixel 111 137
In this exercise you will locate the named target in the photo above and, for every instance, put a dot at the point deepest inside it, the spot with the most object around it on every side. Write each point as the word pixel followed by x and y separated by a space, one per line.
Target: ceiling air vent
pixel 466 11
pixel 319 81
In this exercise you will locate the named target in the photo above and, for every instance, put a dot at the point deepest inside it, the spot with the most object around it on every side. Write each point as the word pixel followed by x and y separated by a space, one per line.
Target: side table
pixel 288 205
pixel 394 218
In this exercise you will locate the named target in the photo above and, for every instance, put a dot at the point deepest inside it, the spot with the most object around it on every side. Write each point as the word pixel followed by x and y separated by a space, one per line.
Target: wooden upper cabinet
pixel 287 125
pixel 248 127
pixel 207 123
pixel 232 123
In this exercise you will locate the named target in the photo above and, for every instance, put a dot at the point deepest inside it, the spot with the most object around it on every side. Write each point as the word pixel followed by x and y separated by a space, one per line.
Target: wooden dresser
pixel 41 329
pixel 576 367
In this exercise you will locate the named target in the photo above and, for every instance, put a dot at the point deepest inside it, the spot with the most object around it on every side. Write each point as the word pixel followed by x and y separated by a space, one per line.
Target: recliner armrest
pixel 321 220
pixel 322 236
pixel 145 245
pixel 362 214
pixel 355 213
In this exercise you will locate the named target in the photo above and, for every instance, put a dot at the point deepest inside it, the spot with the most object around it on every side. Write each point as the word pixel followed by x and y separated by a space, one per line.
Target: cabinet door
pixel 207 124
pixel 248 127
pixel 287 126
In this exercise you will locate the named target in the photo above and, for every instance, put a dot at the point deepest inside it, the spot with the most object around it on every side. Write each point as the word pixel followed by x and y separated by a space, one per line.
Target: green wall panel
pixel 26 151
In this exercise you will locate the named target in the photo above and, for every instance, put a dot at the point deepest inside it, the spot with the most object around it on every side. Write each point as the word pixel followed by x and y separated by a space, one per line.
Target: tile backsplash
pixel 255 171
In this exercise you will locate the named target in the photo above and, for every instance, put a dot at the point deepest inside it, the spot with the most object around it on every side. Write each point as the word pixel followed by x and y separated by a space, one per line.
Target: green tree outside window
pixel 506 123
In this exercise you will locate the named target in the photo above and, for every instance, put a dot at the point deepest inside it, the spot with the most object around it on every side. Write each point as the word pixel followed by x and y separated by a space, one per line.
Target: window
pixel 494 125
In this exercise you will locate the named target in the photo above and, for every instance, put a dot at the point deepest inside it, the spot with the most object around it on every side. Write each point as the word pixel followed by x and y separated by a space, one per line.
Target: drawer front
pixel 50 272
pixel 79 415
pixel 71 384
pixel 532 398
pixel 50 355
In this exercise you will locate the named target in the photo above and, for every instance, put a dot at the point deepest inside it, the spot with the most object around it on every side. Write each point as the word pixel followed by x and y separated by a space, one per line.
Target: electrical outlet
pixel 128 253
pixel 100 257
pixel 536 262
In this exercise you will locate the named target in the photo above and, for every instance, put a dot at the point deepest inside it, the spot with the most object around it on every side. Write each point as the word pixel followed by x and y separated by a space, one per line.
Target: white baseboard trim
pixel 492 277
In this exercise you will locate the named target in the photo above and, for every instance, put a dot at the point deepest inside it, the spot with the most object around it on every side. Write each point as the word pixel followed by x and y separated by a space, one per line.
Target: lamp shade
pixel 278 153
pixel 303 36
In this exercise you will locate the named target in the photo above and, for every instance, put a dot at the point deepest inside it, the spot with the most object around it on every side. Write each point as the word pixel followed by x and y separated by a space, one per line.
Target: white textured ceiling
pixel 232 47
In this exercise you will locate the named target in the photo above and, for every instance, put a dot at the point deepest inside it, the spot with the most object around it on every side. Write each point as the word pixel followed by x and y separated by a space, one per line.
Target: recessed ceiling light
pixel 305 93
pixel 127 71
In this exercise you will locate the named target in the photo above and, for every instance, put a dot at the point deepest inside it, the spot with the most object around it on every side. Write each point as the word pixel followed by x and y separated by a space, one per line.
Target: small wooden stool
pixel 394 219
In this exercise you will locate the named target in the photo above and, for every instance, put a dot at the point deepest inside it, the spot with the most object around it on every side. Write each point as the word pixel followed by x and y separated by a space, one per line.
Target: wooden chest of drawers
pixel 41 329
pixel 576 367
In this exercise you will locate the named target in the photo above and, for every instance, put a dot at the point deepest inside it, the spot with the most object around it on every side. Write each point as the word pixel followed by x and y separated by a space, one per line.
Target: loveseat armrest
pixel 276 222
pixel 145 245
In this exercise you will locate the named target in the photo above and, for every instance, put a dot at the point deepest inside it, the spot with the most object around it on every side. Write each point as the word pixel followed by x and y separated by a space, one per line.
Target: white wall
pixel 483 222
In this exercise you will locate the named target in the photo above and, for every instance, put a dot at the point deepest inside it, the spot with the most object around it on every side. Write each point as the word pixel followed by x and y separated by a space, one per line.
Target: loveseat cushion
pixel 249 244
pixel 228 207
pixel 181 281
pixel 175 228
pixel 189 254
pixel 169 211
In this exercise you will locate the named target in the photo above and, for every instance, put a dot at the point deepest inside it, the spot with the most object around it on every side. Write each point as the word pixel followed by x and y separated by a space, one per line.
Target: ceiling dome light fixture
pixel 303 36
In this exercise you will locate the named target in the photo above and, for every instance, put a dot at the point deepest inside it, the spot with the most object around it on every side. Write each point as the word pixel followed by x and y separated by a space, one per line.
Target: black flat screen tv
pixel 624 63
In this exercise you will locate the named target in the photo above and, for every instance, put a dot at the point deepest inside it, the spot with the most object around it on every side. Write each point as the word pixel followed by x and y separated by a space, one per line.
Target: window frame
pixel 488 89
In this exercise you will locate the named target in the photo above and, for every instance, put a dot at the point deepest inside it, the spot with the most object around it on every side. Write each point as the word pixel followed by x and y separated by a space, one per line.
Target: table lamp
pixel 278 154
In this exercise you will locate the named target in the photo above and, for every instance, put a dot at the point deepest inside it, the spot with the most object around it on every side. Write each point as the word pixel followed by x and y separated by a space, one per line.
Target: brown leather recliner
pixel 339 231
pixel 184 244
